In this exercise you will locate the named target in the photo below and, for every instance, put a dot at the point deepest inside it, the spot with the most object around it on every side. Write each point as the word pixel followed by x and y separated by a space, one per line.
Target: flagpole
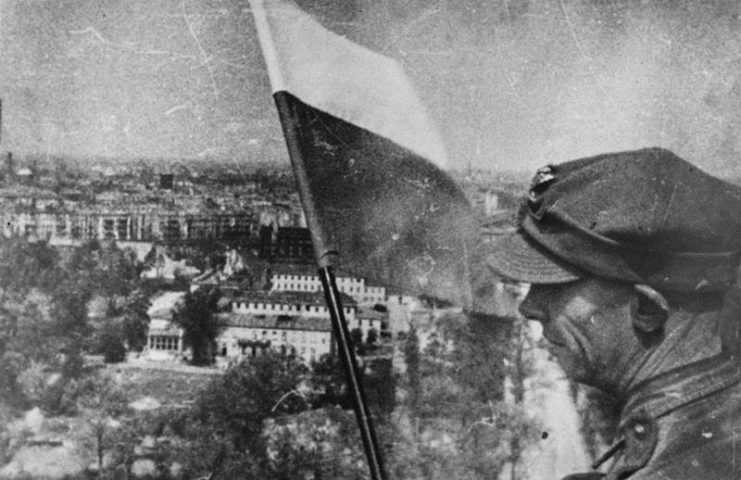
pixel 326 256
pixel 325 253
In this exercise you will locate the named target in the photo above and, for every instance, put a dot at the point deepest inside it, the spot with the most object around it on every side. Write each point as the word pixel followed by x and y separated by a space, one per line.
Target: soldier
pixel 632 259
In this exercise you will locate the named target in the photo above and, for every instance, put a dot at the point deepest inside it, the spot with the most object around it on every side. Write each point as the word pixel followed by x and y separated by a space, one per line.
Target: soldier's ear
pixel 651 310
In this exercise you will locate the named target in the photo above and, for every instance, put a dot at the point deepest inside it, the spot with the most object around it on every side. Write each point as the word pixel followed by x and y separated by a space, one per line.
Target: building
pixel 164 340
pixel 135 225
pixel 297 322
pixel 285 244
pixel 246 335
pixel 166 268
pixel 303 278
pixel 368 319
pixel 400 307
pixel 291 303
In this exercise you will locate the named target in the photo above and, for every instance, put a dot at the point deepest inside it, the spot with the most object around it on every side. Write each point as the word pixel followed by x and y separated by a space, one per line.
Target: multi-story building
pixel 300 278
pixel 368 319
pixel 246 335
pixel 127 225
pixel 284 321
pixel 287 244
pixel 290 304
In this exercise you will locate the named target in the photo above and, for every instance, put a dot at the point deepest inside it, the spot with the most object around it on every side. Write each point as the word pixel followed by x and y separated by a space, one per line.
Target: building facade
pixel 247 335
pixel 127 226
pixel 164 339
pixel 290 303
pixel 300 280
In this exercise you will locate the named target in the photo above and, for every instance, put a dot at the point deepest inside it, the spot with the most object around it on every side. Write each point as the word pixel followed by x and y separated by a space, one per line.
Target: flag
pixel 368 161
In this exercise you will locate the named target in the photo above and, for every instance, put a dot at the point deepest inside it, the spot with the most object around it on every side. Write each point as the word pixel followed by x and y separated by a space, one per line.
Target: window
pixel 164 342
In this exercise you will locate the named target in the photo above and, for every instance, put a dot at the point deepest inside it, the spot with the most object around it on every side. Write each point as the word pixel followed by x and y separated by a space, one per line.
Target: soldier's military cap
pixel 644 216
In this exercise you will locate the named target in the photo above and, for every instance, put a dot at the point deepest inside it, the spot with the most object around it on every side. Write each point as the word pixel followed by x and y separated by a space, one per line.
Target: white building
pixel 400 307
pixel 368 319
pixel 164 340
pixel 289 279
pixel 247 335
pixel 291 303
pixel 168 269
pixel 284 321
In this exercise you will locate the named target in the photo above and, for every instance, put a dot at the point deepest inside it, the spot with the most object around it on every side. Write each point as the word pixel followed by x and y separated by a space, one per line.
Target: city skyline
pixel 511 85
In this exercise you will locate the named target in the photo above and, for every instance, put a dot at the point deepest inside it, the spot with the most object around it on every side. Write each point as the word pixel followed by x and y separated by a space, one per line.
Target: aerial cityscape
pixel 170 199
pixel 130 295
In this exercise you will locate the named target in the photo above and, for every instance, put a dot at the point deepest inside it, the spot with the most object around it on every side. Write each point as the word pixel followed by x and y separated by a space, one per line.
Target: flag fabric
pixel 368 161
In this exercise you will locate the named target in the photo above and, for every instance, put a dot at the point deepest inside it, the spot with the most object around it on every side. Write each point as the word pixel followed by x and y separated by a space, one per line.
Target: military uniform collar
pixel 659 396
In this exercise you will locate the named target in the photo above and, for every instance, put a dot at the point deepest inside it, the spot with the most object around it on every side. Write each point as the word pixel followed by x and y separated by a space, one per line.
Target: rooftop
pixel 276 322
pixel 163 304
pixel 290 298
pixel 371 314
pixel 308 270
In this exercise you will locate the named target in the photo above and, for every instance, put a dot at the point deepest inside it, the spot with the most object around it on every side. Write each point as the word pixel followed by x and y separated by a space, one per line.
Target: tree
pixel 71 326
pixel 261 387
pixel 224 428
pixel 105 405
pixel 136 320
pixel 25 265
pixel 110 344
pixel 322 444
pixel 379 383
pixel 356 340
pixel 105 269
pixel 372 337
pixel 453 422
pixel 196 316
pixel 329 378
pixel 43 319
pixel 412 359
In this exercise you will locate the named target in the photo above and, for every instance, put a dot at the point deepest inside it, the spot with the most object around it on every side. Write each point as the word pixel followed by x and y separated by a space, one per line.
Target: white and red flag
pixel 368 160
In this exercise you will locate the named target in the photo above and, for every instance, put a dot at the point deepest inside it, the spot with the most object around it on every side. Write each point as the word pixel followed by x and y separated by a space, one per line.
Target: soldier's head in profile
pixel 632 259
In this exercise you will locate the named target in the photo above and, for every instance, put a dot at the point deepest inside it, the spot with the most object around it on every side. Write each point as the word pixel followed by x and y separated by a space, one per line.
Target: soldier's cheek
pixel 573 363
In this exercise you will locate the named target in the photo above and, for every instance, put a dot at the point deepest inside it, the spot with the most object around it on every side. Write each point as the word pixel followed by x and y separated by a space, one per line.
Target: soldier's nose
pixel 533 306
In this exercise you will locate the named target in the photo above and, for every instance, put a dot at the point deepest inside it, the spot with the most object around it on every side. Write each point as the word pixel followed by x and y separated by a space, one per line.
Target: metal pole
pixel 326 254
pixel 349 364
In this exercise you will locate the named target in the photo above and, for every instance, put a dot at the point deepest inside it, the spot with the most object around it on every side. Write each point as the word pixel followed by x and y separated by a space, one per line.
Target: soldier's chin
pixel 572 365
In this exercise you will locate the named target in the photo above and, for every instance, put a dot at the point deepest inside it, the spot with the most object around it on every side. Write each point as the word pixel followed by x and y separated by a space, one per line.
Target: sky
pixel 511 84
